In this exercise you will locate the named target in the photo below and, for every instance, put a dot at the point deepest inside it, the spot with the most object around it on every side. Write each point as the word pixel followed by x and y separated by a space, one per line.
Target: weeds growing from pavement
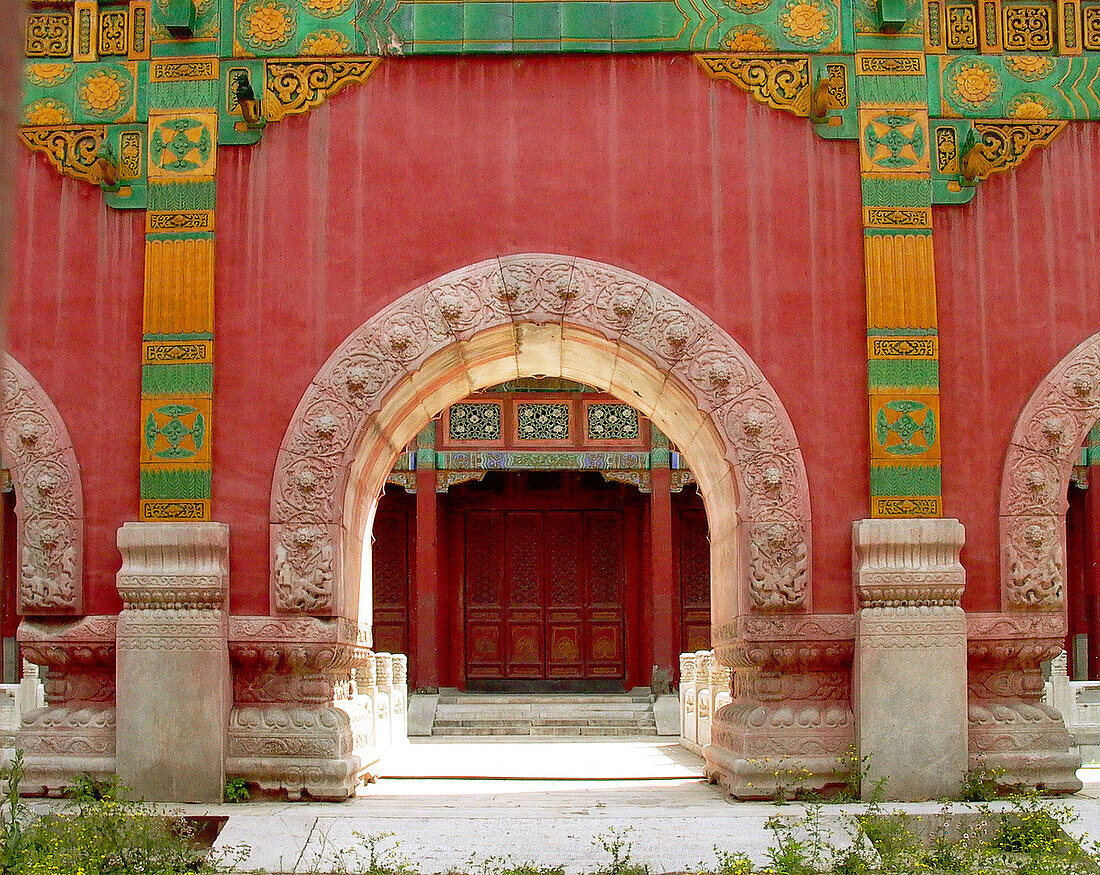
pixel 100 832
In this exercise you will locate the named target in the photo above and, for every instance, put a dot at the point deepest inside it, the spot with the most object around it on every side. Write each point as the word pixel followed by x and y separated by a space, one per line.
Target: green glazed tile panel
pixel 898 373
pixel 915 480
pixel 175 483
pixel 291 28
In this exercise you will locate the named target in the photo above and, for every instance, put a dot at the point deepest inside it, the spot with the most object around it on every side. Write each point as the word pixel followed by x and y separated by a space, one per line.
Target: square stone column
pixel 173 683
pixel 910 692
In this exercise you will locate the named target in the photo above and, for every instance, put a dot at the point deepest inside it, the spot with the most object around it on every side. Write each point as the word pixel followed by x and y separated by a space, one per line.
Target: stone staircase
pixel 551 714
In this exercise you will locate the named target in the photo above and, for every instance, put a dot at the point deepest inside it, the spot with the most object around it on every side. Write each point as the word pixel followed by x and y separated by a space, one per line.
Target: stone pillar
pixel 721 684
pixel 910 661
pixel 687 699
pixel 298 728
pixel 30 689
pixel 383 699
pixel 74 733
pixel 173 660
pixel 399 701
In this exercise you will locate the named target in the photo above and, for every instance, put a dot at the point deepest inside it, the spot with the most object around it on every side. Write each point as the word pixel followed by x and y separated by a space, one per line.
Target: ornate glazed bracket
pixel 49 502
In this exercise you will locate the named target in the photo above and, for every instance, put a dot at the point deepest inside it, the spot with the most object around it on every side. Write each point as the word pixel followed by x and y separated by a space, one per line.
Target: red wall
pixel 1018 290
pixel 641 162
pixel 75 324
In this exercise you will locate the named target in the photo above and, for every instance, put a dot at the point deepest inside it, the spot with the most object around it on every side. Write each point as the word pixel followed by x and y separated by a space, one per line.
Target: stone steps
pixel 563 714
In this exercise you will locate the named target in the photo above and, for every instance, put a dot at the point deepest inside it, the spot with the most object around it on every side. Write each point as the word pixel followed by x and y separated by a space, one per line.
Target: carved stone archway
pixel 1011 729
pixel 49 505
pixel 1034 487
pixel 550 315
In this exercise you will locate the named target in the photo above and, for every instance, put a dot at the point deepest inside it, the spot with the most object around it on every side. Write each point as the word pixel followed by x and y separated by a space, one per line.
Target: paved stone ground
pixel 651 791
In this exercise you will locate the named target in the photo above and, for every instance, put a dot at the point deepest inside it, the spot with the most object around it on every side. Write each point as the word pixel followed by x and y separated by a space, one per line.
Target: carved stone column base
pixel 298 728
pixel 1014 736
pixel 60 743
pixel 780 751
pixel 789 727
pixel 320 753
pixel 74 734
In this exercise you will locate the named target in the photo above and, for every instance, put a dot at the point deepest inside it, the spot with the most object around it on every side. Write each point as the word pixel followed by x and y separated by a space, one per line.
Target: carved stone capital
pixel 174 566
pixel 908 563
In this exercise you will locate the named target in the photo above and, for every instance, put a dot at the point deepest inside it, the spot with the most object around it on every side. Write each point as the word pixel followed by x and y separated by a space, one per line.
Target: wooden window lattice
pixel 613 422
pixel 542 422
pixel 474 422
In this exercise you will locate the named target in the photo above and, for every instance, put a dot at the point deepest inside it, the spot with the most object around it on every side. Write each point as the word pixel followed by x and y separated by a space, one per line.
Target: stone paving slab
pixel 673 823
pixel 537 758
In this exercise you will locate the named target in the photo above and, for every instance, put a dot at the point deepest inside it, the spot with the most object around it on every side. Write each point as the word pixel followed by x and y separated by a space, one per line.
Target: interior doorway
pixel 550 578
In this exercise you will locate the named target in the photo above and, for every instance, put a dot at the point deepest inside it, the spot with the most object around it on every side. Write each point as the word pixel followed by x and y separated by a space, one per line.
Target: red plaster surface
pixel 640 162
pixel 1018 290
pixel 75 324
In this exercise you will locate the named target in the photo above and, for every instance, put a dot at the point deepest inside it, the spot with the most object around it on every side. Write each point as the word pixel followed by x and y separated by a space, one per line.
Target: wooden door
pixel 693 568
pixel 390 570
pixel 544 583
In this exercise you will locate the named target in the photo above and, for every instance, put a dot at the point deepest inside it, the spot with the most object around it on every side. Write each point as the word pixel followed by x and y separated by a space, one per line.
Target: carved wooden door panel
pixel 694 570
pixel 390 567
pixel 565 621
pixel 523 605
pixel 603 552
pixel 485 594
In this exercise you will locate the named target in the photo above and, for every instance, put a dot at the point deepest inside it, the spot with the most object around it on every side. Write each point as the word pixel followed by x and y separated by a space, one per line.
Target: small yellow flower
pixel 50 74
pixel 326 42
pixel 975 83
pixel 1030 106
pixel 1030 68
pixel 47 112
pixel 327 8
pixel 103 92
pixel 805 21
pixel 267 23
pixel 747 39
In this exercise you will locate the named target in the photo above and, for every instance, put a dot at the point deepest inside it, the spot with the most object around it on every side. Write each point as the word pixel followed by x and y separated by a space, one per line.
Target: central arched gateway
pixel 547 315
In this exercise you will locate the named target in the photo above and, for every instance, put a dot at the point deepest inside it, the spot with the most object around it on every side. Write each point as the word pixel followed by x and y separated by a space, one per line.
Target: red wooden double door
pixel 545 572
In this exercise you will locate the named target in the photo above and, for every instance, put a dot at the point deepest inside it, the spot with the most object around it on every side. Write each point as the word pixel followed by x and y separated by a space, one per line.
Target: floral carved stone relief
pixel 1038 466
pixel 49 503
pixel 337 413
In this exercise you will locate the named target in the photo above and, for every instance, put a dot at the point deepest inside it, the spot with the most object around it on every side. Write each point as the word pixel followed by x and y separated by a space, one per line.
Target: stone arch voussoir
pixel 1034 486
pixel 527 315
pixel 49 505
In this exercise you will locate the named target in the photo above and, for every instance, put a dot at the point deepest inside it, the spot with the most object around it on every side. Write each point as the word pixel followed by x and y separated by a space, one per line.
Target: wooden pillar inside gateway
pixel 1079 598
pixel 1090 590
pixel 662 620
pixel 426 643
